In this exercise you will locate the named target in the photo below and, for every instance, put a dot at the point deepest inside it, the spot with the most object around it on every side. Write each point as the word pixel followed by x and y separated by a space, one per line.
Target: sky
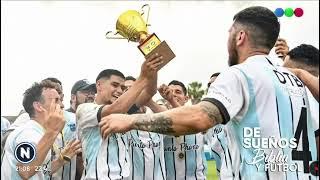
pixel 66 40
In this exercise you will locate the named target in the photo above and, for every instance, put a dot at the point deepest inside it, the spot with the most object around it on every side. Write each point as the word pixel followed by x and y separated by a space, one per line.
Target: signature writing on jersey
pixel 182 147
pixel 142 145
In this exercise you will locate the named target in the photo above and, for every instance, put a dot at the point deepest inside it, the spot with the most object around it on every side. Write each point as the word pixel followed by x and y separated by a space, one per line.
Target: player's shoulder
pixel 30 129
pixel 85 108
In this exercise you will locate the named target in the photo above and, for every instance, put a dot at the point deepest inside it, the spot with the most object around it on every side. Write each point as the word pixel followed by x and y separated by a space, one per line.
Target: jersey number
pixel 305 154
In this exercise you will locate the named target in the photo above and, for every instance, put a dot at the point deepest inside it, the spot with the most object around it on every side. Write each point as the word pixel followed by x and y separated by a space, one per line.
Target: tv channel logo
pixel 25 152
pixel 288 12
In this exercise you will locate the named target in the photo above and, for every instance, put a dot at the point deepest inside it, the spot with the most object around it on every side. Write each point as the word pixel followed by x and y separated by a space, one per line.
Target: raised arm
pixel 148 70
pixel 311 81
pixel 53 125
pixel 148 92
pixel 156 108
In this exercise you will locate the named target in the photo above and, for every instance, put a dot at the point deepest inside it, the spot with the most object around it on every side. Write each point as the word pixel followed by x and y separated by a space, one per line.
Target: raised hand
pixel 150 66
pixel 71 149
pixel 165 92
pixel 115 123
pixel 55 121
pixel 281 48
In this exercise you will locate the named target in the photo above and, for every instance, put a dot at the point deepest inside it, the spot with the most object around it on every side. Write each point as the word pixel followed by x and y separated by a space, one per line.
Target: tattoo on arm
pixel 159 123
pixel 212 111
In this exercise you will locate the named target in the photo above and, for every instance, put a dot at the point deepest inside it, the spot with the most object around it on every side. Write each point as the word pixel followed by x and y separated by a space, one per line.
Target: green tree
pixel 195 92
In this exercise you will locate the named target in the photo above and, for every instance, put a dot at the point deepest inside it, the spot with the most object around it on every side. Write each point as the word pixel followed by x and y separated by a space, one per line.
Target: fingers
pixel 283 52
pixel 52 106
pixel 103 130
pixel 279 48
pixel 153 56
pixel 281 41
pixel 106 133
pixel 156 66
pixel 155 63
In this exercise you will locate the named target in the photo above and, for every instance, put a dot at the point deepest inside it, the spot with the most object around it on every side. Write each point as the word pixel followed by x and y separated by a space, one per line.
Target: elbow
pixel 204 122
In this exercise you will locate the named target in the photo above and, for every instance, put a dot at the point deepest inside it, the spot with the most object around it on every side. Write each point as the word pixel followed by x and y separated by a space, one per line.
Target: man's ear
pixel 241 37
pixel 186 98
pixel 37 107
pixel 98 85
pixel 73 98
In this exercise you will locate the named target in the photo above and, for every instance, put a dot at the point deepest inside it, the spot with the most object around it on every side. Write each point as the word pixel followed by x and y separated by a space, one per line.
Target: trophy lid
pixel 131 25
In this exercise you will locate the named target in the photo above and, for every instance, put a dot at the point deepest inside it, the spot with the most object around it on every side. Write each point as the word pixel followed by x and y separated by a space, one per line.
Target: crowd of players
pixel 114 130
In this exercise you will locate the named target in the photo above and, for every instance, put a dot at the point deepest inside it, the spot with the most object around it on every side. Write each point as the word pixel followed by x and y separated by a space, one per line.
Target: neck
pixel 249 53
pixel 40 120
pixel 99 100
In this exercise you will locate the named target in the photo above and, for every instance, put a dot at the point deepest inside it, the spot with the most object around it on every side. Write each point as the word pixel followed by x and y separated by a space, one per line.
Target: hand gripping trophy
pixel 130 25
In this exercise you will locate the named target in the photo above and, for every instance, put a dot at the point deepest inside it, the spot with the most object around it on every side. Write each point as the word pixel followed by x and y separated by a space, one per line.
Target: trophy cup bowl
pixel 131 26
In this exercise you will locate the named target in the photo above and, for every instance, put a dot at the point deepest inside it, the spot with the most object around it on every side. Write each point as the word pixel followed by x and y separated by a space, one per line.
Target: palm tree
pixel 195 92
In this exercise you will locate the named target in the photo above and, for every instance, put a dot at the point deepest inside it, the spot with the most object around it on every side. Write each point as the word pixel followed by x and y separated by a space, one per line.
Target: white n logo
pixel 25 153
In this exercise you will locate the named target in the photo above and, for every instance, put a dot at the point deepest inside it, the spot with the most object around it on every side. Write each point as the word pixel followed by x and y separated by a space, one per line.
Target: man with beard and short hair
pixel 253 94
pixel 82 92
pixel 108 158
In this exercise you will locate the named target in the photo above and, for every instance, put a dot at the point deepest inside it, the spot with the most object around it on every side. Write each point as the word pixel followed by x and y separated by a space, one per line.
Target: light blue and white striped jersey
pixel 31 132
pixel 67 171
pixel 185 157
pixel 216 139
pixel 103 159
pixel 314 109
pixel 147 155
pixel 270 134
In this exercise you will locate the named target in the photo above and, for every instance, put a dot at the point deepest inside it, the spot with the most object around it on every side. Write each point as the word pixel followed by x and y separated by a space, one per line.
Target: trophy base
pixel 153 45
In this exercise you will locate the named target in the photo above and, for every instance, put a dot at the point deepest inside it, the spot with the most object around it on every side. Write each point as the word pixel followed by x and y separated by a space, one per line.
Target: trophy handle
pixel 143 12
pixel 113 36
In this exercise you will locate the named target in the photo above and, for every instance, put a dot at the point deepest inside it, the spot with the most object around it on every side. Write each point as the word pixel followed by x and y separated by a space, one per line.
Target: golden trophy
pixel 131 26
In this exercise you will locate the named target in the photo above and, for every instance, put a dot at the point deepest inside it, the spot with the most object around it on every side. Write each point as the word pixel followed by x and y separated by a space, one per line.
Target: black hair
pixel 305 54
pixel 130 78
pixel 175 82
pixel 214 75
pixel 107 73
pixel 34 93
pixel 262 23
pixel 53 79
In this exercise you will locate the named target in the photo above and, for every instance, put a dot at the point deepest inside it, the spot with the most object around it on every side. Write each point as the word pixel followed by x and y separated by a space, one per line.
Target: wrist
pixel 64 159
pixel 51 134
pixel 142 81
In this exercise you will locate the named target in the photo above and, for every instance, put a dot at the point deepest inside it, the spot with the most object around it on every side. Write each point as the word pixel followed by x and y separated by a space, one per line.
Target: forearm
pixel 42 150
pixel 57 164
pixel 178 121
pixel 125 101
pixel 312 82
pixel 149 91
pixel 156 108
